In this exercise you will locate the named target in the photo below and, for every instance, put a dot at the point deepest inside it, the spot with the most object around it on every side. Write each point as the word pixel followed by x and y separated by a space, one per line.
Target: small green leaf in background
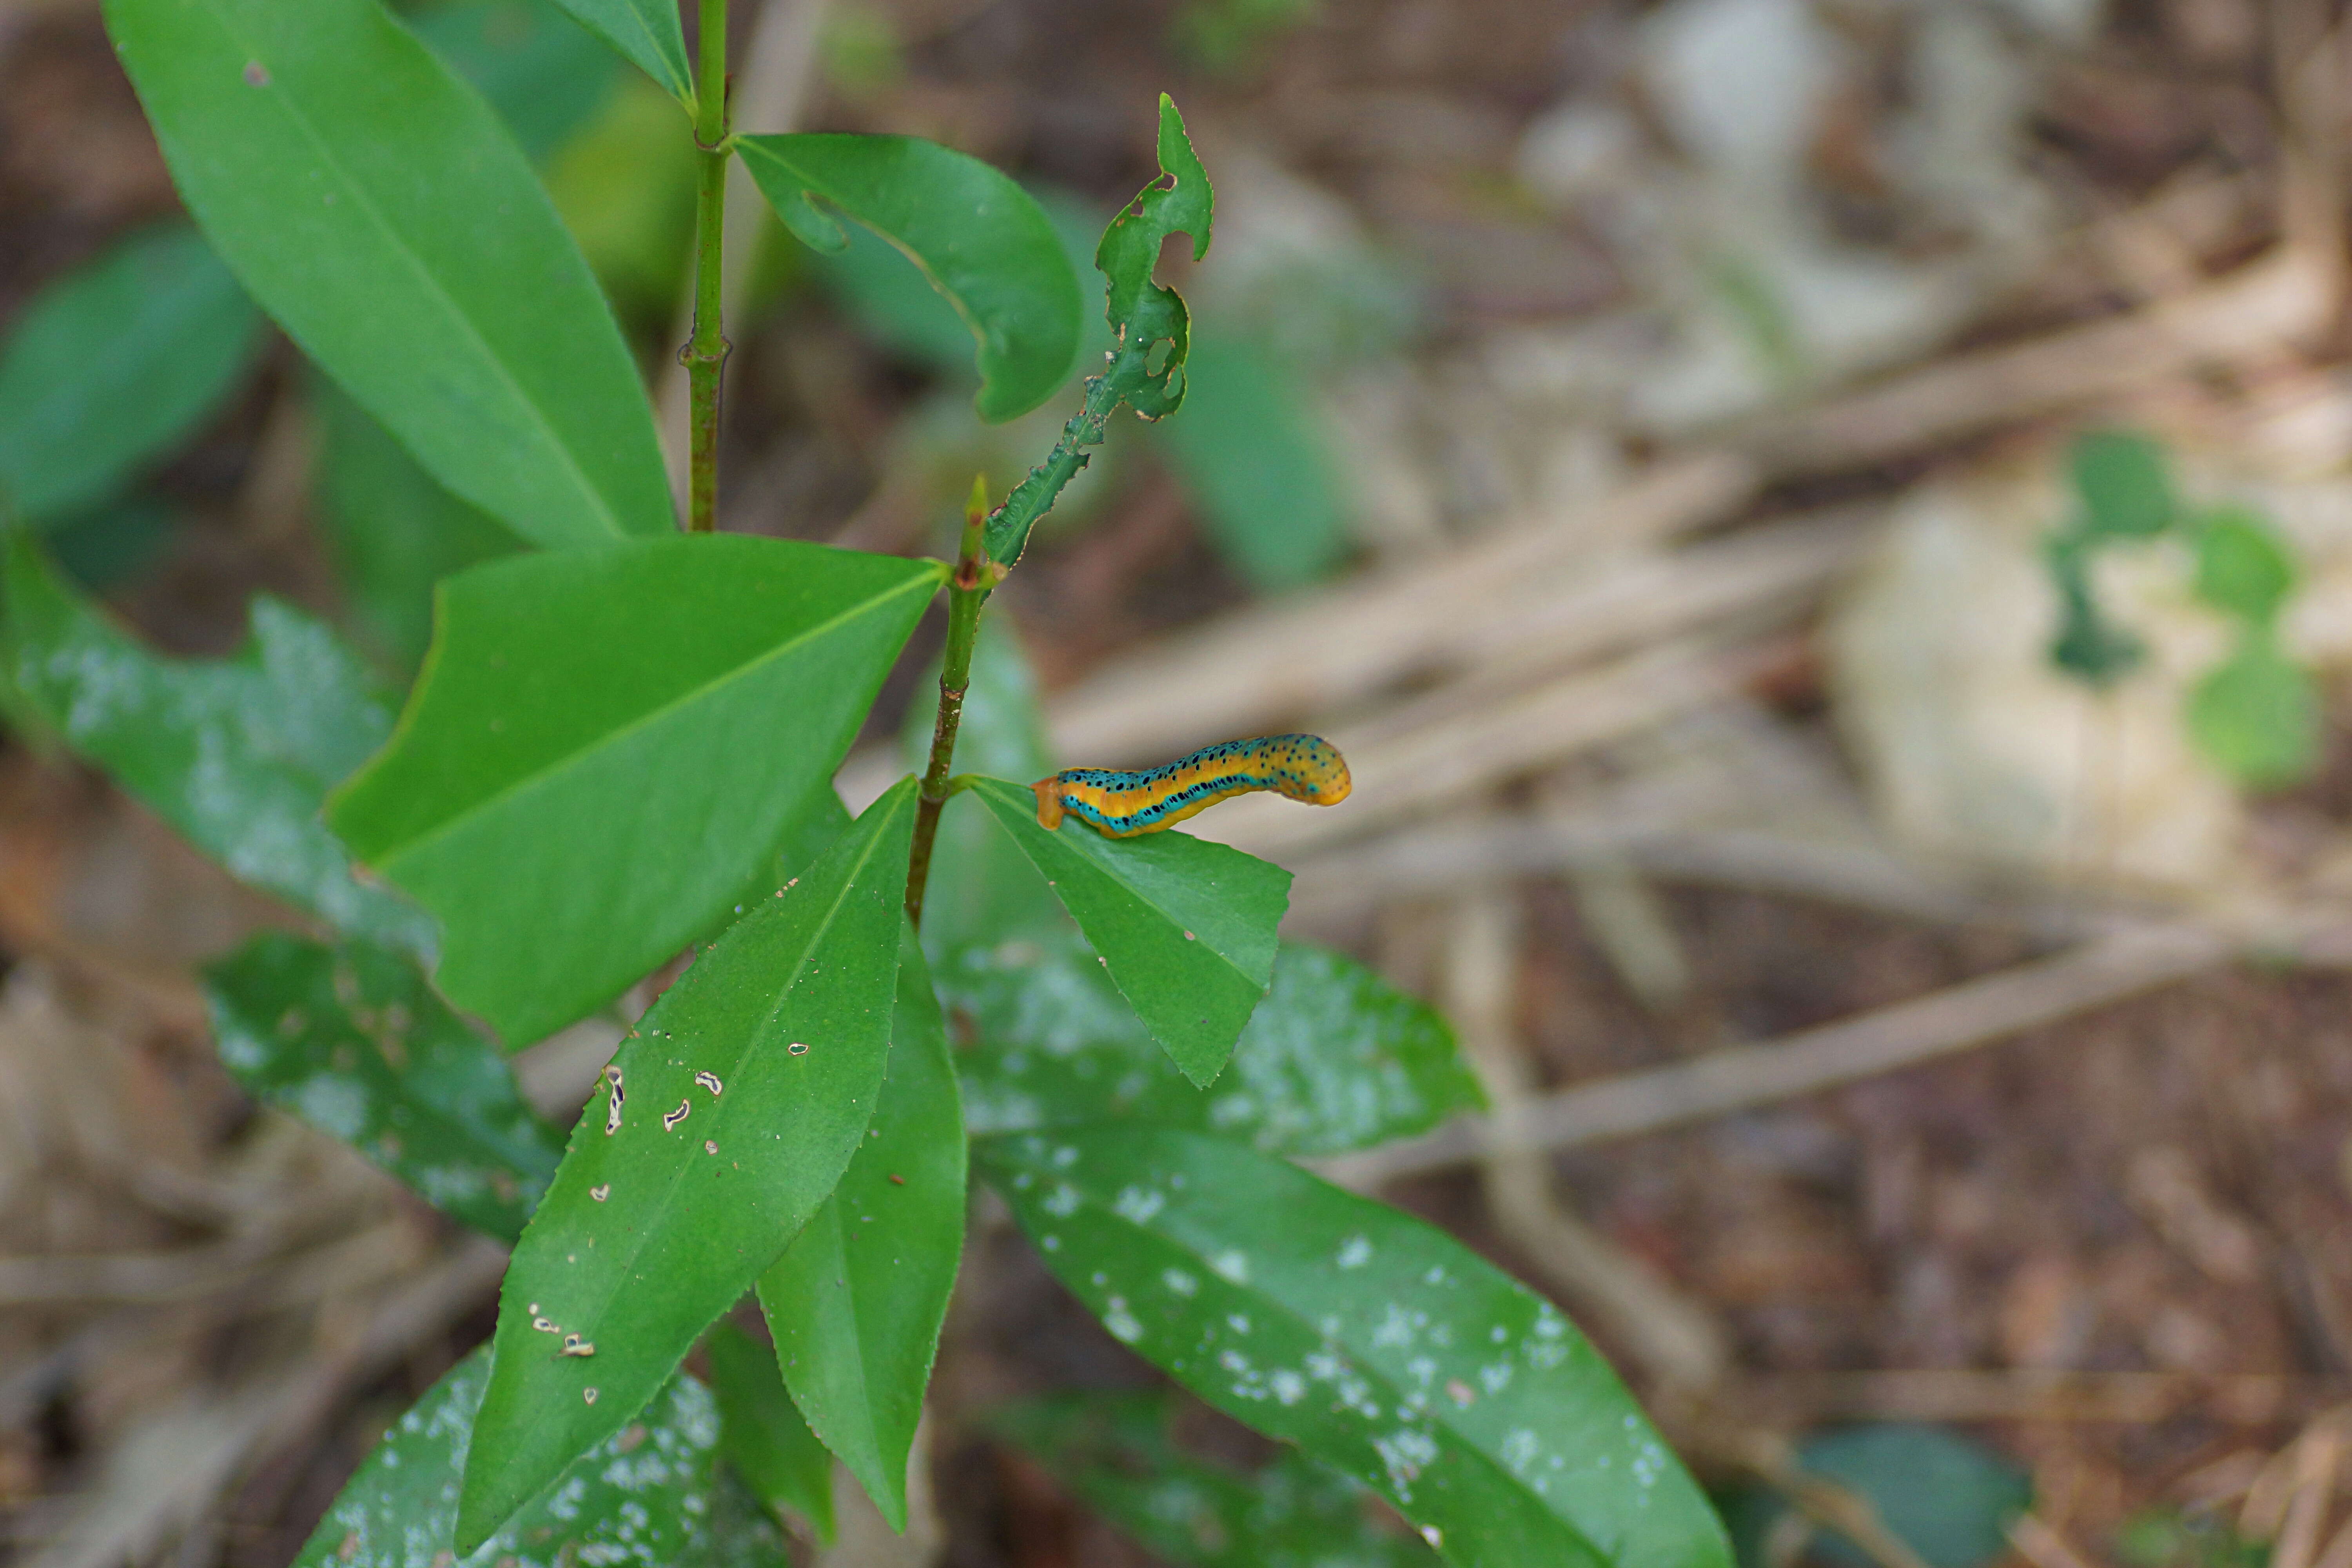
pixel 2122 482
pixel 1225 38
pixel 115 364
pixel 2243 566
pixel 646 33
pixel 625 186
pixel 1114 1451
pixel 728 1115
pixel 1378 1344
pixel 981 238
pixel 112 544
pixel 2256 717
pixel 544 75
pixel 1949 1499
pixel 607 745
pixel 351 1040
pixel 1249 453
pixel 1335 1058
pixel 982 887
pixel 642 1496
pixel 1185 927
pixel 457 309
pixel 391 531
pixel 1141 312
pixel 2164 1538
pixel 761 1434
pixel 2088 647
pixel 854 1305
pixel 236 753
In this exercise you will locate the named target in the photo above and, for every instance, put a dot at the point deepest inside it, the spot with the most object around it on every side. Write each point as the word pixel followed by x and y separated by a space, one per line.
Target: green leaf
pixel 981 888
pixel 1185 927
pixel 2088 647
pixel 1249 453
pixel 456 308
pixel 391 531
pixel 1114 1451
pixel 115 364
pixel 854 1305
pixel 675 1195
pixel 762 1434
pixel 646 34
pixel 113 544
pixel 1334 1059
pixel 1143 313
pixel 1949 1499
pixel 351 1040
pixel 2123 484
pixel 608 744
pixel 642 1496
pixel 2244 568
pixel 544 76
pixel 236 753
pixel 2256 717
pixel 982 240
pixel 1375 1342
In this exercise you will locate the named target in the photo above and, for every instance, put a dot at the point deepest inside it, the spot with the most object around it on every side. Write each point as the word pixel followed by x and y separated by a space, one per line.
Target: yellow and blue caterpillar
pixel 1124 804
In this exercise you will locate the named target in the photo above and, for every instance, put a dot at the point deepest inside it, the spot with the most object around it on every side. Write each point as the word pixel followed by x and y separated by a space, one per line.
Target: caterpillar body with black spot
pixel 1124 802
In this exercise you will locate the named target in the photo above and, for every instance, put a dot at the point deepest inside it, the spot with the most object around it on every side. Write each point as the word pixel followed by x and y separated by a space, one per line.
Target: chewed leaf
pixel 1143 312
pixel 352 1040
pixel 1335 1058
pixel 724 1121
pixel 982 240
pixel 643 1495
pixel 672 703
pixel 1185 927
pixel 1376 1344
pixel 113 363
pixel 1114 1451
pixel 237 753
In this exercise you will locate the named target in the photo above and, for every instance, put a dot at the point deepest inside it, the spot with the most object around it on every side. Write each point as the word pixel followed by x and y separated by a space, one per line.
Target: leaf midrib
pixel 294 112
pixel 525 782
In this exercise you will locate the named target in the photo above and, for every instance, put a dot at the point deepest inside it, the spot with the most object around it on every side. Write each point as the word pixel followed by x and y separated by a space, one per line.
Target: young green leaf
pixel 391 529
pixel 1376 1343
pixel 1948 1497
pixel 646 34
pixel 1248 451
pixel 1144 313
pixel 1334 1059
pixel 726 1117
pixel 982 240
pixel 112 365
pixel 2256 716
pixel 351 1040
pixel 1185 927
pixel 2243 567
pixel 762 1434
pixel 643 1495
pixel 606 746
pixel 236 753
pixel 456 308
pixel 1114 1451
pixel 544 75
pixel 854 1305
pixel 2124 490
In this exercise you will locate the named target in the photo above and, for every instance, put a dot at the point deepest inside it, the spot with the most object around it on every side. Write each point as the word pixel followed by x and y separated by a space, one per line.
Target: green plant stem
pixel 1034 497
pixel 967 591
pixel 706 351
